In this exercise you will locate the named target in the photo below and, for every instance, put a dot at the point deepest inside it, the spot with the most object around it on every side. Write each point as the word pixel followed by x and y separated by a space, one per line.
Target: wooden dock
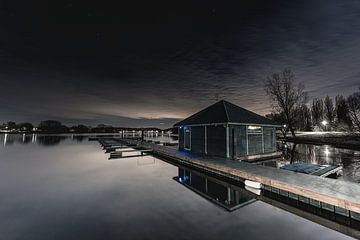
pixel 117 147
pixel 341 194
pixel 327 171
pixel 119 154
pixel 337 202
pixel 336 192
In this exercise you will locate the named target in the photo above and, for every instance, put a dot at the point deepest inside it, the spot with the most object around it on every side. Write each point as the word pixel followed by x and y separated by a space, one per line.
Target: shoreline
pixel 345 141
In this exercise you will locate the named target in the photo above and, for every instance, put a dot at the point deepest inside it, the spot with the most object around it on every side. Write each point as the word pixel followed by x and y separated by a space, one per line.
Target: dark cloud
pixel 147 62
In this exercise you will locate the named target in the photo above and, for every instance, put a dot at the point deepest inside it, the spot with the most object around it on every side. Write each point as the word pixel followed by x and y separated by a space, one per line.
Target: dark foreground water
pixel 68 189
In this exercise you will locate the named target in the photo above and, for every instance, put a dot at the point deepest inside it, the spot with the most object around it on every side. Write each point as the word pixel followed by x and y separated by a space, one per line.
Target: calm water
pixel 325 155
pixel 66 188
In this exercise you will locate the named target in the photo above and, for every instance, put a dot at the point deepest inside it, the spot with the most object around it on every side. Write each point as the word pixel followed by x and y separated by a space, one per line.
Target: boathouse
pixel 227 130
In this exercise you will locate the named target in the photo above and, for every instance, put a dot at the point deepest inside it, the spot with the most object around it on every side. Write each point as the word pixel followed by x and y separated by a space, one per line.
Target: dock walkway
pixel 336 192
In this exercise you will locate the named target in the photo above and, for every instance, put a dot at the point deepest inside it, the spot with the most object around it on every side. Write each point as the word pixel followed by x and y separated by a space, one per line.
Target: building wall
pixel 216 141
pixel 181 138
pixel 242 140
pixel 198 139
pixel 238 144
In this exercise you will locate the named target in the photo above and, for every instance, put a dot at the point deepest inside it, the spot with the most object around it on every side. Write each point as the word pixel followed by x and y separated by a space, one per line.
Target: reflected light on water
pixel 33 138
pixel 327 153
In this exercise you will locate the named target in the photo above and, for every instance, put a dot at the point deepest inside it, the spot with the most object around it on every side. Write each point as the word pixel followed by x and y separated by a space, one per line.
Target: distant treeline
pixel 327 114
pixel 53 126
pixel 292 109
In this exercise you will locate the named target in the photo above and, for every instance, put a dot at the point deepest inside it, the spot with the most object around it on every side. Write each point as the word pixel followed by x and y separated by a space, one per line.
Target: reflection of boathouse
pixel 226 130
pixel 224 194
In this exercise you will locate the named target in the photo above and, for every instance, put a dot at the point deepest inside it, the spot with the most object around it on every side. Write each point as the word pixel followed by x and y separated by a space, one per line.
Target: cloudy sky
pixel 150 63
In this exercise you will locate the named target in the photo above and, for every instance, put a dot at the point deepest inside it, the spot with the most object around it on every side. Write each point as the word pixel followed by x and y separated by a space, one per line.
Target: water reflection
pixel 224 194
pixel 42 139
pixel 322 155
pixel 162 138
pixel 5 138
pixel 71 191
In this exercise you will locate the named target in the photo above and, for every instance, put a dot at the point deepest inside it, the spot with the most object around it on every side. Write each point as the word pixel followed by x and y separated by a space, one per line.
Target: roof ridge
pixel 246 110
pixel 226 112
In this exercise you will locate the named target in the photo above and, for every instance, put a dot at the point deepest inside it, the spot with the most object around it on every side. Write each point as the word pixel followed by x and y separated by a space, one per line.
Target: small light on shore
pixel 324 123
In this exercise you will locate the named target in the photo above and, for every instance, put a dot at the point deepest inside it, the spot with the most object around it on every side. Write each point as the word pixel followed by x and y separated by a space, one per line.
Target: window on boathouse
pixel 269 139
pixel 255 139
pixel 239 142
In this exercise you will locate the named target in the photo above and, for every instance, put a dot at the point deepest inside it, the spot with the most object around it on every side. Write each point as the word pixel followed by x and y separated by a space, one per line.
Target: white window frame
pixel 254 133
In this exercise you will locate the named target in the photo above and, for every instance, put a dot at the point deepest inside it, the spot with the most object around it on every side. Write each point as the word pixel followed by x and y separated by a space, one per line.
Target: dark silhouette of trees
pixel 343 120
pixel 80 129
pixel 286 96
pixel 102 128
pixel 317 111
pixel 329 110
pixel 303 118
pixel 10 125
pixel 353 102
pixel 52 126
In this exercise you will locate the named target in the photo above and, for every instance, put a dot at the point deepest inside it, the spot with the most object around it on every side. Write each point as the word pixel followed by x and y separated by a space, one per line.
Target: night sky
pixel 149 63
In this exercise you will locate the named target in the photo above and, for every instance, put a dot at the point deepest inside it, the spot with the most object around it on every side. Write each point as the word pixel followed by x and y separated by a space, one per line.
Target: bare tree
pixel 329 110
pixel 278 117
pixel 353 102
pixel 286 95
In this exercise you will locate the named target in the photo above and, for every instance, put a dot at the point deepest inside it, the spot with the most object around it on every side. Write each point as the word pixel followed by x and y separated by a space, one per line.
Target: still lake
pixel 64 187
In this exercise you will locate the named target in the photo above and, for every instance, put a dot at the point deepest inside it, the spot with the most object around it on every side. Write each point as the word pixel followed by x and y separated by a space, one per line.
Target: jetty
pixel 331 202
pixel 117 147
pixel 342 195
pixel 335 192
pixel 313 169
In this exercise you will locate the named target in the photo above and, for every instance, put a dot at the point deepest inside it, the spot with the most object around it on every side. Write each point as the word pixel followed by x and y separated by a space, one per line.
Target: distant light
pixel 284 125
pixel 324 123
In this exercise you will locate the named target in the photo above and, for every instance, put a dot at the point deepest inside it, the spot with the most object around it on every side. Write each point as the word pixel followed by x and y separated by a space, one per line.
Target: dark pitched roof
pixel 225 112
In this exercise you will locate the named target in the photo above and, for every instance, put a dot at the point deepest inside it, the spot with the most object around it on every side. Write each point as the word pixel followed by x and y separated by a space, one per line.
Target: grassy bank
pixel 340 140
